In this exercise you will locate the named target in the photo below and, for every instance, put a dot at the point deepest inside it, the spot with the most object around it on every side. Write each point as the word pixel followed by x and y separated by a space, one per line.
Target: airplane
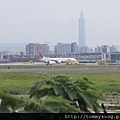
pixel 51 61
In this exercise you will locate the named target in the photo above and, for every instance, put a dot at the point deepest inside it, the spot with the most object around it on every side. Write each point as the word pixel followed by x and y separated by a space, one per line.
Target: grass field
pixel 20 83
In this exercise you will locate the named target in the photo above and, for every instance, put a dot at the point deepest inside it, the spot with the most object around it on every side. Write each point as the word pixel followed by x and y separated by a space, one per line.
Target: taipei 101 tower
pixel 81 31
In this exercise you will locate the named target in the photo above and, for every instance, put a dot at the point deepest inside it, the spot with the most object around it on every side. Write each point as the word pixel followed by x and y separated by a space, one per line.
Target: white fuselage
pixel 59 60
pixel 62 59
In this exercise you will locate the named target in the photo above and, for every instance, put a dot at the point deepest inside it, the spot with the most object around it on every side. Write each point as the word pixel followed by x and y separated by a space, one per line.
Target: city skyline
pixel 57 21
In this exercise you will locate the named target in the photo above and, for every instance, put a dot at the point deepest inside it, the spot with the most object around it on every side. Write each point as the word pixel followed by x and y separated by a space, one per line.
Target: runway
pixel 66 70
pixel 21 64
pixel 41 64
pixel 9 69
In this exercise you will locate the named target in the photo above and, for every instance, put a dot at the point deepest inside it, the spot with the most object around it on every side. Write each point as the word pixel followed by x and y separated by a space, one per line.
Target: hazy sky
pixel 53 21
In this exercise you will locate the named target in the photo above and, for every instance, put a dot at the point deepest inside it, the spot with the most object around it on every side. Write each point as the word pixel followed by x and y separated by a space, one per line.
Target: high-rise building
pixel 81 31
pixel 34 48
pixel 63 48
pixel 86 49
pixel 74 47
pixel 66 48
pixel 102 49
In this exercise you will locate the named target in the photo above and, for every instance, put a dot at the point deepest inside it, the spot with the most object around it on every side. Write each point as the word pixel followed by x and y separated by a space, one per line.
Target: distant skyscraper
pixel 81 31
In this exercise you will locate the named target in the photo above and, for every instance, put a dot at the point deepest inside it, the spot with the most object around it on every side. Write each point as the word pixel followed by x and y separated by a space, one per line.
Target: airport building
pixel 87 57
pixel 112 57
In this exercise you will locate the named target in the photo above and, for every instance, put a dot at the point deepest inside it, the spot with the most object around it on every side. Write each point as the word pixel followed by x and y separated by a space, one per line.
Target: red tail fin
pixel 41 55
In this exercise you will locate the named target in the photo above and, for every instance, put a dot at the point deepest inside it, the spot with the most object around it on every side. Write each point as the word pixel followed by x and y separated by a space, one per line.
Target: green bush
pixel 60 94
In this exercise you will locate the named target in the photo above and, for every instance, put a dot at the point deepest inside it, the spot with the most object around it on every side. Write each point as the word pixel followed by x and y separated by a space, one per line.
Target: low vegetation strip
pixel 20 83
